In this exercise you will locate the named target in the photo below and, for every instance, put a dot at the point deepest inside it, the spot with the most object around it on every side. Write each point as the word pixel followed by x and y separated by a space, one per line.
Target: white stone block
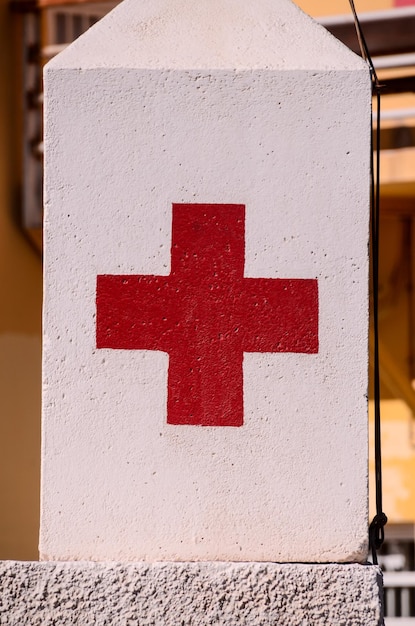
pixel 219 103
pixel 191 594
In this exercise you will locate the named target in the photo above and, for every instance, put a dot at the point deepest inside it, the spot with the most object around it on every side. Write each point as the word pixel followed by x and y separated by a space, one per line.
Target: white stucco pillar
pixel 205 355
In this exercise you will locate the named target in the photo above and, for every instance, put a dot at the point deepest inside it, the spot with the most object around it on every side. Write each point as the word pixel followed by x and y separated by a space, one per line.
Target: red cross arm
pixel 280 315
pixel 130 312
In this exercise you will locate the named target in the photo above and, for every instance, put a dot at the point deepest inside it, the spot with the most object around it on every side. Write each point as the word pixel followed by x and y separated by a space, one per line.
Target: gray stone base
pixel 187 594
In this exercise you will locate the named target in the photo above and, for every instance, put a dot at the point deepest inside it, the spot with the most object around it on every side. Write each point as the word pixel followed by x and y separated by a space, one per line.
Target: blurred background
pixel 31 32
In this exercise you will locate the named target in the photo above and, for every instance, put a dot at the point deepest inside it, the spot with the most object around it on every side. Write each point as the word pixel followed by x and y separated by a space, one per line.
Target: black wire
pixel 376 528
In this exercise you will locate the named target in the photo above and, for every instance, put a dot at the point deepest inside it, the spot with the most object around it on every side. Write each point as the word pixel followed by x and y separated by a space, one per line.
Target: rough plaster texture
pixel 182 34
pixel 278 123
pixel 168 594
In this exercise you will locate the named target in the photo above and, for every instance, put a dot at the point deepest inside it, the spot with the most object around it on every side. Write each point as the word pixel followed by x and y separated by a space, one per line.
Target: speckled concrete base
pixel 184 594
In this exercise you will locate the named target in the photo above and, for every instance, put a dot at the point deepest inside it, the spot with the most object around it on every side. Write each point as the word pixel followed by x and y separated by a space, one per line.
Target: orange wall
pixel 20 339
pixel 332 7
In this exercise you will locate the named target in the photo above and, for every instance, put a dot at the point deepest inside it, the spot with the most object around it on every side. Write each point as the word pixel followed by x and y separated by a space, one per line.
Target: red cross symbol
pixel 206 314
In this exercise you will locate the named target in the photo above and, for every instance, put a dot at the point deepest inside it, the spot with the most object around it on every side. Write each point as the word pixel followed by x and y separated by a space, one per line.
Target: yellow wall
pixel 397 326
pixel 398 443
pixel 20 339
pixel 338 7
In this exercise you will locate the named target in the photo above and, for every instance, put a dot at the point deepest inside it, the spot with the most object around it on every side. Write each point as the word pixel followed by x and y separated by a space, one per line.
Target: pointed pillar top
pixel 208 34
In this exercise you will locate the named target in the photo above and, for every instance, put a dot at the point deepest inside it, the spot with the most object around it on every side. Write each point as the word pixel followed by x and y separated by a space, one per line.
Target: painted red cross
pixel 205 314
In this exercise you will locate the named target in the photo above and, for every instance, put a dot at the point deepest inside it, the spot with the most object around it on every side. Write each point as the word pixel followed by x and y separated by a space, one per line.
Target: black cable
pixel 376 528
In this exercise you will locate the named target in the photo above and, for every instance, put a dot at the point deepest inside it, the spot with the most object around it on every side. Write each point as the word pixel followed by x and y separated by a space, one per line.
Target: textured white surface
pixel 252 594
pixel 271 34
pixel 121 145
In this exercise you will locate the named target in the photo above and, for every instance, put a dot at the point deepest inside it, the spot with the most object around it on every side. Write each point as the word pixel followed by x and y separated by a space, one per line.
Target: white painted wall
pixel 221 102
